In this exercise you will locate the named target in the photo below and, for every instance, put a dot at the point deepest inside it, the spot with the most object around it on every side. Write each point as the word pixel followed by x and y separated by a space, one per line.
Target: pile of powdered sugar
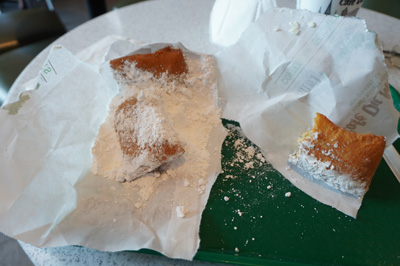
pixel 146 122
pixel 251 163
pixel 142 131
pixel 187 107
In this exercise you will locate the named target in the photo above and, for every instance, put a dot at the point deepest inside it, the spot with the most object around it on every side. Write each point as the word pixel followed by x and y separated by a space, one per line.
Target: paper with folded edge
pixel 274 82
pixel 48 195
pixel 45 151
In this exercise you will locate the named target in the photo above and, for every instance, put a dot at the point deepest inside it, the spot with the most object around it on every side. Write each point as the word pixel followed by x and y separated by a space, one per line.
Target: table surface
pixel 169 21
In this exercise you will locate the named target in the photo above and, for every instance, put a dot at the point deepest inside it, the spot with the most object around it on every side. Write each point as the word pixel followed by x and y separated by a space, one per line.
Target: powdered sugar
pixel 143 133
pixel 149 126
pixel 250 194
pixel 182 109
pixel 180 211
pixel 295 27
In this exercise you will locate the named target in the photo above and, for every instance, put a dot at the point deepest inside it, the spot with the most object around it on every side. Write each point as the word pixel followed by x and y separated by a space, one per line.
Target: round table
pixel 169 21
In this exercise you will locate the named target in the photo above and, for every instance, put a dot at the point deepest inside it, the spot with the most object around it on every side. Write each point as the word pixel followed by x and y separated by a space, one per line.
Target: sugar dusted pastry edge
pixel 341 159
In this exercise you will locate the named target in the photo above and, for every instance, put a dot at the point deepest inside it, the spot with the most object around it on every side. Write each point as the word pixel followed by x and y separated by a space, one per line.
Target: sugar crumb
pixel 312 24
pixel 180 211
pixel 276 29
pixel 295 27
pixel 186 183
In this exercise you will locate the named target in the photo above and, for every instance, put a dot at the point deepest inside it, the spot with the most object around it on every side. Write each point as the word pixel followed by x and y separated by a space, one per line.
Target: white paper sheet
pixel 274 81
pixel 48 195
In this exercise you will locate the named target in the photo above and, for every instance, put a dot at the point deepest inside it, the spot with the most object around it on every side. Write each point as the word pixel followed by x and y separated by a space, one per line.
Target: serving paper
pixel 48 194
pixel 290 64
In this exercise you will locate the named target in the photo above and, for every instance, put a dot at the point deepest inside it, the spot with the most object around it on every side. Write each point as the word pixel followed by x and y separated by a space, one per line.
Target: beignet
pixel 167 60
pixel 147 140
pixel 342 159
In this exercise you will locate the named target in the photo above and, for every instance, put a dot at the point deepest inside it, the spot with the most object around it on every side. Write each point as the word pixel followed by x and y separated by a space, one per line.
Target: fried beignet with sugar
pixel 147 140
pixel 342 159
pixel 167 60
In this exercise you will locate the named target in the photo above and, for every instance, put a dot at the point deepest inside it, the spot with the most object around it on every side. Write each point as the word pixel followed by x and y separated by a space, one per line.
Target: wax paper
pixel 290 64
pixel 49 196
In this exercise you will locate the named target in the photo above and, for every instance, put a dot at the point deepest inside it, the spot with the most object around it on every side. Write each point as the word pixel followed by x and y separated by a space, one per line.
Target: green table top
pixel 259 225
pixel 250 220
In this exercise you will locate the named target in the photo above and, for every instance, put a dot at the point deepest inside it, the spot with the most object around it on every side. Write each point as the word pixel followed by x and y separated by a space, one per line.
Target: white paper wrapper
pixel 229 18
pixel 290 64
pixel 48 195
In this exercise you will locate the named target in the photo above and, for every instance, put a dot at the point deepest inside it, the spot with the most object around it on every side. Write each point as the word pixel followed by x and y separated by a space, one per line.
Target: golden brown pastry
pixel 342 159
pixel 147 140
pixel 167 60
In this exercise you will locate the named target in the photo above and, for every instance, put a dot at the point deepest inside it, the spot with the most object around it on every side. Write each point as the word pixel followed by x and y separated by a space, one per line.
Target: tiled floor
pixel 72 13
